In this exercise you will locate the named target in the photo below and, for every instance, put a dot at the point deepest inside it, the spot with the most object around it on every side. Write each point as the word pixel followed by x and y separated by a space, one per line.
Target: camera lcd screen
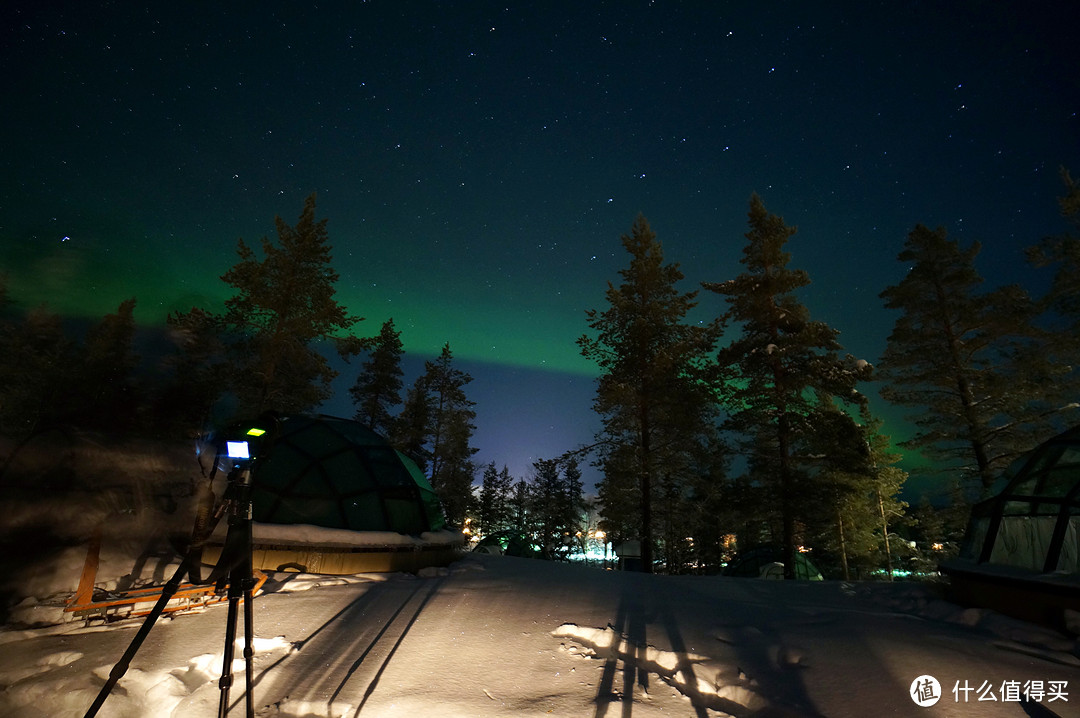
pixel 237 449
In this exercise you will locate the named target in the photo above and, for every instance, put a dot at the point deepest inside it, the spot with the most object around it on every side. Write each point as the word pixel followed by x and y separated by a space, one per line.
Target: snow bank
pixel 316 536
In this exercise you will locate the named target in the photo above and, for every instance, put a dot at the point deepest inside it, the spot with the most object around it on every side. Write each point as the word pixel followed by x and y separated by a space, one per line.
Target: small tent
pixel 767 561
pixel 1021 552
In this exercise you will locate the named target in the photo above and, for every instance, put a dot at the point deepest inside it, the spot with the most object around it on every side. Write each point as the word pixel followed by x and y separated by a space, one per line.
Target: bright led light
pixel 237 449
pixel 255 431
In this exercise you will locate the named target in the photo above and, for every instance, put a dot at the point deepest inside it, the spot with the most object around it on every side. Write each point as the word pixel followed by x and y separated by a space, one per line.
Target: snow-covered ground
pixel 500 636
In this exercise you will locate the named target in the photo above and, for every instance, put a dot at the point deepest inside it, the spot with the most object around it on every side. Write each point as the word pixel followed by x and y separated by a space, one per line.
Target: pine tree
pixel 546 499
pixel 493 505
pixel 710 515
pixel 449 433
pixel 853 494
pixel 653 394
pixel 283 304
pixel 556 506
pixel 780 367
pixel 573 501
pixel 378 388
pixel 972 364
pixel 888 482
pixel 520 510
pixel 409 430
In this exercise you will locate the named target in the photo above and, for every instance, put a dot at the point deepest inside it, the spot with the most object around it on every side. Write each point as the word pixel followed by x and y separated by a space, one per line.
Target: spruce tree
pixel 573 498
pixel 556 505
pixel 521 519
pixel 971 363
pixel 653 394
pixel 448 435
pixel 780 367
pixel 284 303
pixel 493 505
pixel 853 491
pixel 378 388
pixel 409 430
pixel 546 500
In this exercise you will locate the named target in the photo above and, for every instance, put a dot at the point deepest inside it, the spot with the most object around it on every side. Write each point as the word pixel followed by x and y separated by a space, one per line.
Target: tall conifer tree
pixel 781 366
pixel 378 388
pixel 972 363
pixel 449 434
pixel 653 394
pixel 284 303
pixel 493 505
pixel 409 430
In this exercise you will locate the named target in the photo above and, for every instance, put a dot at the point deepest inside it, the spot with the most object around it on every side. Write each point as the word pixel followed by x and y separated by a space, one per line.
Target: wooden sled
pixel 113 606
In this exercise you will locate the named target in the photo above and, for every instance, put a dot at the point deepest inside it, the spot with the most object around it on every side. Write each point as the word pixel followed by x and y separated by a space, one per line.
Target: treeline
pixel 263 352
pixel 752 427
pixel 546 517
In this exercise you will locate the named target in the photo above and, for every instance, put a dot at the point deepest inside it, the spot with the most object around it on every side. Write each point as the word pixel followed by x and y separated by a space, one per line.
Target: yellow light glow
pixel 255 431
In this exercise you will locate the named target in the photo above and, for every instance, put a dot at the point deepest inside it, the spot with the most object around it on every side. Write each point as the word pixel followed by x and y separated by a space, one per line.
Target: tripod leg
pixel 249 650
pixel 226 667
pixel 121 666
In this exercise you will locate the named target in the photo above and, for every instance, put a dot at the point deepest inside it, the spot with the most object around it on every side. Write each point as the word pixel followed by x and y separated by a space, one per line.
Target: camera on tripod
pixel 236 451
pixel 247 447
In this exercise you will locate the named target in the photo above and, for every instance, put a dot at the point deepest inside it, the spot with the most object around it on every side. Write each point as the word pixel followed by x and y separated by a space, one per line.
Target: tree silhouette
pixel 378 388
pixel 653 395
pixel 435 429
pixel 781 367
pixel 284 303
pixel 493 510
pixel 973 364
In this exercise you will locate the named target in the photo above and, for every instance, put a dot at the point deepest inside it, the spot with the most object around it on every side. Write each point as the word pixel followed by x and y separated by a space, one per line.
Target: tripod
pixel 236 556
pixel 233 567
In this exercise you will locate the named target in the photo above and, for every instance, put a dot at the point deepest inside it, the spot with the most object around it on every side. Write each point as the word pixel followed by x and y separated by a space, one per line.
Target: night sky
pixel 478 162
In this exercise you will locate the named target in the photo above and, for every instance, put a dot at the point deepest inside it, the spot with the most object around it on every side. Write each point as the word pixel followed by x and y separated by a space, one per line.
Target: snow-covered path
pixel 495 636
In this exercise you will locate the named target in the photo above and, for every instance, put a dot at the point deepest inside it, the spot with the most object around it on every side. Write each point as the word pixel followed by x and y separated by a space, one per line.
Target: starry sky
pixel 478 161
